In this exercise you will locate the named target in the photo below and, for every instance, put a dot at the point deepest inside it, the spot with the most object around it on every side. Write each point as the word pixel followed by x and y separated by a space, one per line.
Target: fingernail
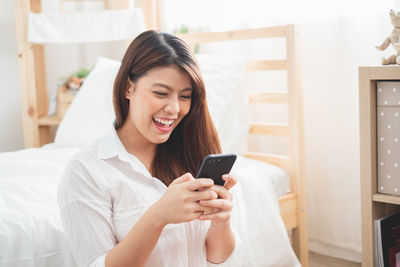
pixel 225 176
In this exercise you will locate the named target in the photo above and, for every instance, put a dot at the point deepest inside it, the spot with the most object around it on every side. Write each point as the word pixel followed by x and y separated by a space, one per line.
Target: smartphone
pixel 216 165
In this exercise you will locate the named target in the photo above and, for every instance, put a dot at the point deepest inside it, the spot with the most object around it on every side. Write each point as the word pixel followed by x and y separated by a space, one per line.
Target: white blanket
pixel 30 228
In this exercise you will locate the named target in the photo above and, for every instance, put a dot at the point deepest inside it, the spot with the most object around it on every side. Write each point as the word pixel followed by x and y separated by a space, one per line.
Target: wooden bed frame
pixel 36 123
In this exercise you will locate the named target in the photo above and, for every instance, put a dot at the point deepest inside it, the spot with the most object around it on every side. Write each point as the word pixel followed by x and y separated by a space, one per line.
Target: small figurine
pixel 74 83
pixel 392 39
pixel 66 93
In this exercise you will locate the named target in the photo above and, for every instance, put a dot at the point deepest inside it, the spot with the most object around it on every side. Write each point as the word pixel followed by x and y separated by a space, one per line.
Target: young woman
pixel 130 198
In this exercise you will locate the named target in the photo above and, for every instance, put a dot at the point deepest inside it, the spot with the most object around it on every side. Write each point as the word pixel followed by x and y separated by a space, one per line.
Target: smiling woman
pixel 130 197
pixel 157 106
pixel 161 67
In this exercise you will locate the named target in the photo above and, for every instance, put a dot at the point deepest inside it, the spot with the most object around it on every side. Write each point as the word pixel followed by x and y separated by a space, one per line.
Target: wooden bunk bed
pixel 36 123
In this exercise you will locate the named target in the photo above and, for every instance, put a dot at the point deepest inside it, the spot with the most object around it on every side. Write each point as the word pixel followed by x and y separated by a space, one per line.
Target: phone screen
pixel 216 165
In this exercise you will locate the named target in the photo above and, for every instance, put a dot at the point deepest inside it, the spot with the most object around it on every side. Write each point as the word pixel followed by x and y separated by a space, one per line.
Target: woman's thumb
pixel 184 178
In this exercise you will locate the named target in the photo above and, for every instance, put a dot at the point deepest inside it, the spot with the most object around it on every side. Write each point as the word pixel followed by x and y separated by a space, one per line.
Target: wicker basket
pixel 66 94
pixel 64 100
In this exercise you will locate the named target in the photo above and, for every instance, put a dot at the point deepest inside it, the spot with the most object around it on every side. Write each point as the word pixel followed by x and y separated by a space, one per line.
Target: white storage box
pixel 388 136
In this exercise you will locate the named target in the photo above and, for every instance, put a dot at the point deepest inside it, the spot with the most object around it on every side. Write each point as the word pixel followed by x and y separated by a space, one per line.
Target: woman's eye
pixel 186 96
pixel 160 93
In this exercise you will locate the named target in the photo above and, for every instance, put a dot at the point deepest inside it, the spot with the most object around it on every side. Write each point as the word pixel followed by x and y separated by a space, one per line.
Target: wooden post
pixel 151 14
pixel 33 78
pixel 40 80
pixel 27 76
pixel 296 142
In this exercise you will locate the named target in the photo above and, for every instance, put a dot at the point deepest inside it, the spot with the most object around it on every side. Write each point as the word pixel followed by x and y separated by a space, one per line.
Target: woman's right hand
pixel 180 203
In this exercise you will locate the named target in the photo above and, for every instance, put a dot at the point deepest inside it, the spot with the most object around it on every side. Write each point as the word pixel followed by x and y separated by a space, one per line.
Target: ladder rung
pixel 49 120
pixel 288 208
pixel 268 97
pixel 282 161
pixel 274 129
pixel 266 65
pixel 246 34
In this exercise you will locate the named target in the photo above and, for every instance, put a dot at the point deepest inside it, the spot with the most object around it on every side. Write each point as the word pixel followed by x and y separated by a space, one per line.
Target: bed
pixel 28 178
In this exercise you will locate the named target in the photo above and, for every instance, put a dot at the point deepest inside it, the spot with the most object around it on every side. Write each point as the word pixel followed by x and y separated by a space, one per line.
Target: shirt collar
pixel 111 146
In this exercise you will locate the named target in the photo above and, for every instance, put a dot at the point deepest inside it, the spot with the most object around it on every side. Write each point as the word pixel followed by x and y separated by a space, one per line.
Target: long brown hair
pixel 195 136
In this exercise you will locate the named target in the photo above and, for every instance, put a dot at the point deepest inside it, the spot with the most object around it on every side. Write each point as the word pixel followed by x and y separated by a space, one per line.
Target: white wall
pixel 11 137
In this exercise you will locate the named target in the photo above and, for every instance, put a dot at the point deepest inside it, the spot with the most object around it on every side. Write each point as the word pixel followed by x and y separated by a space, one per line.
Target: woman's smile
pixel 164 125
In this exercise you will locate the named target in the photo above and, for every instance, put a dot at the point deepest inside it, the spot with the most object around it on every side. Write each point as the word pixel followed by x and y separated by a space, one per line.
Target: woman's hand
pixel 180 203
pixel 222 206
pixel 220 240
pixel 230 181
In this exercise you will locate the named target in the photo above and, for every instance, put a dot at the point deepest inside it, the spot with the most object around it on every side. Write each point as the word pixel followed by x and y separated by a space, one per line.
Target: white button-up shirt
pixel 102 194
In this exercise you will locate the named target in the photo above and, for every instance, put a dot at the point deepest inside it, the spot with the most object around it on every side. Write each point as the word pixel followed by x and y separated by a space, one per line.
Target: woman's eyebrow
pixel 169 88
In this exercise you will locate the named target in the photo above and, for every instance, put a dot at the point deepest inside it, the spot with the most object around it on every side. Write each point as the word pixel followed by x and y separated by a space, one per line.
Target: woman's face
pixel 158 102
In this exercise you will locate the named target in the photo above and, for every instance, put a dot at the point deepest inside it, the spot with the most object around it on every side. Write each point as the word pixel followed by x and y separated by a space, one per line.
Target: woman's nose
pixel 173 105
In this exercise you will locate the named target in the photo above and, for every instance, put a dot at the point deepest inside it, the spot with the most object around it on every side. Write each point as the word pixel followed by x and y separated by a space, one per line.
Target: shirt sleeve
pixel 231 259
pixel 237 225
pixel 86 215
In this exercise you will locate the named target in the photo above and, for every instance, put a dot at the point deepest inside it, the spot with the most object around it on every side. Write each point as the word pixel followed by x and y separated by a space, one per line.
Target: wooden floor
pixel 318 260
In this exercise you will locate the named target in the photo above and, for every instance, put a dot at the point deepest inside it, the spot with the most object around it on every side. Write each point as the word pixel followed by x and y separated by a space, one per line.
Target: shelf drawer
pixel 388 137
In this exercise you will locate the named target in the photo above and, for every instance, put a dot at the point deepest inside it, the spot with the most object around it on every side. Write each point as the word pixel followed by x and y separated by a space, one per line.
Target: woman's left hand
pixel 222 206
pixel 230 181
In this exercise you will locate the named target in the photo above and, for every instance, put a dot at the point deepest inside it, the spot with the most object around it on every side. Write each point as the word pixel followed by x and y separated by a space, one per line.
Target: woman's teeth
pixel 164 122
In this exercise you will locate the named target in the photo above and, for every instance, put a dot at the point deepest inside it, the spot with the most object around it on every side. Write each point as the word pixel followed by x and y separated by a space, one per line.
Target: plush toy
pixel 74 83
pixel 393 39
pixel 75 80
pixel 68 90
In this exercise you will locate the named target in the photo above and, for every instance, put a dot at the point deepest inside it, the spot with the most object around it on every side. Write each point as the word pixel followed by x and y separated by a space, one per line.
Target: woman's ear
pixel 129 90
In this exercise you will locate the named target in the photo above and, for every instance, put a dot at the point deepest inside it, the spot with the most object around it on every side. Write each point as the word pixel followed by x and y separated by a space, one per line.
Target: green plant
pixel 181 29
pixel 82 73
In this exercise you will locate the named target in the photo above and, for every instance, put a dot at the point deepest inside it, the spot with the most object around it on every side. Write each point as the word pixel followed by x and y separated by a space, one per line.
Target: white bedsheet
pixel 30 228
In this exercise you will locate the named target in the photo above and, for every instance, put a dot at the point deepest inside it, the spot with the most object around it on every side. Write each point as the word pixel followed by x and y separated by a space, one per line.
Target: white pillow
pixel 227 100
pixel 91 113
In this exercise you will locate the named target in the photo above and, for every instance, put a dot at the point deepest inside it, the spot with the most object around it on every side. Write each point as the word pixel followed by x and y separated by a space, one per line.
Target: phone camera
pixel 219 160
